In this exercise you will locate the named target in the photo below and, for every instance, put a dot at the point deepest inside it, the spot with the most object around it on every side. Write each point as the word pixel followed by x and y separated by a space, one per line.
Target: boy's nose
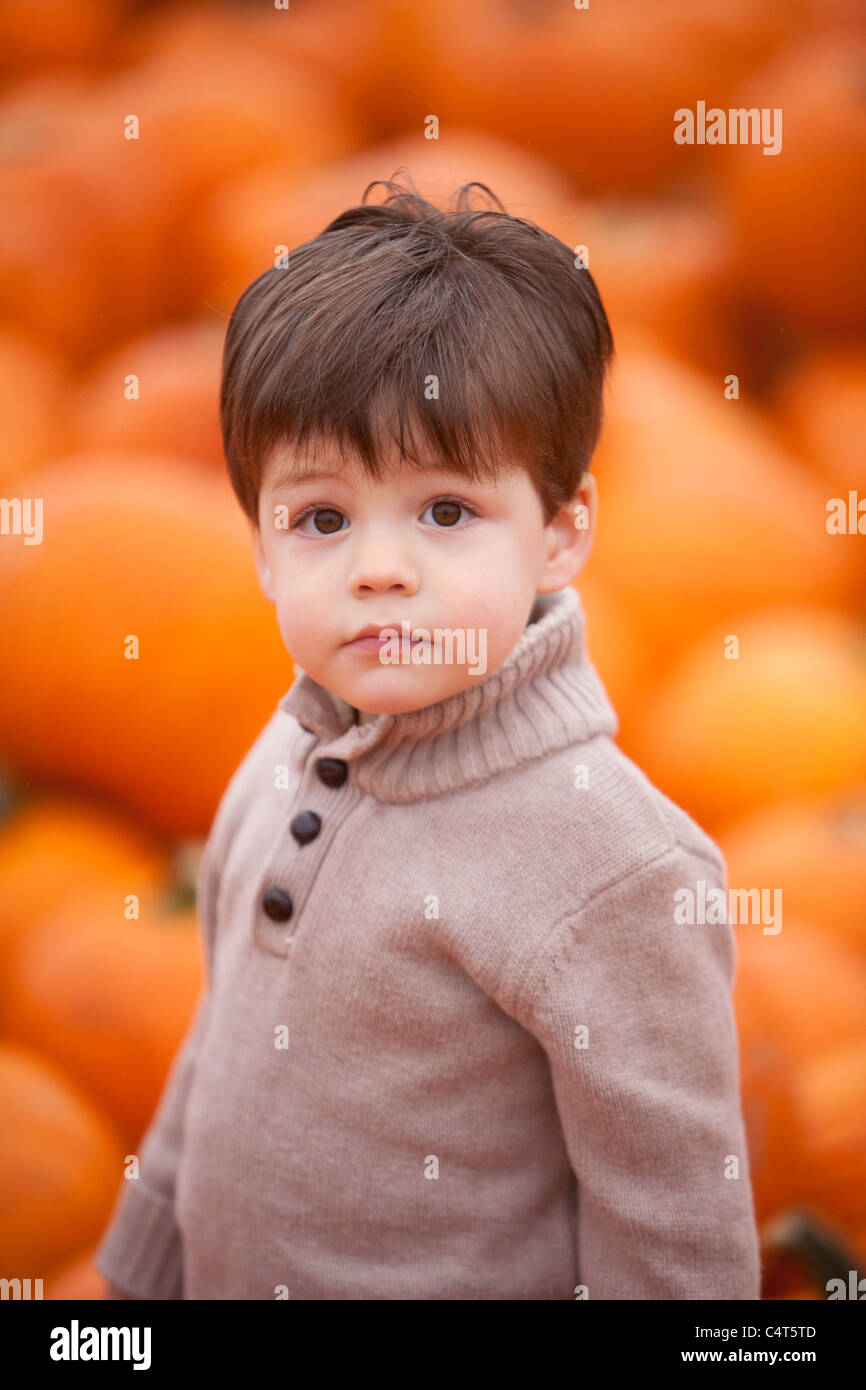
pixel 383 566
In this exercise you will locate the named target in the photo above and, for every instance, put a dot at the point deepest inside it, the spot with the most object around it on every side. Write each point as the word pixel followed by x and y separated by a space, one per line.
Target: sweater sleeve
pixel 140 1251
pixel 633 1008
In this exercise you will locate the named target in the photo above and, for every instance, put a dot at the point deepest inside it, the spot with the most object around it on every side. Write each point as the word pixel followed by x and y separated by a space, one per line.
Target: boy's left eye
pixel 448 510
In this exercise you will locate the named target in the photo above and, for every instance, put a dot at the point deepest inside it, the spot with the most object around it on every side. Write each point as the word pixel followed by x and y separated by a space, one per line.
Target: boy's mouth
pixel 373 643
pixel 371 637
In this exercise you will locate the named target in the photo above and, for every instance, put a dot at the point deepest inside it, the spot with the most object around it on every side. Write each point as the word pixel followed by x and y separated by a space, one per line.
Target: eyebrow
pixel 291 474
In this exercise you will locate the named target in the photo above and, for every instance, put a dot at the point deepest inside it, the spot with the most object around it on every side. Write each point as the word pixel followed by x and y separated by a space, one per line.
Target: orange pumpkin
pixel 153 549
pixel 615 646
pixel 595 90
pixel 782 719
pixel 54 847
pixel 49 295
pixel 69 165
pixel 814 851
pixel 832 1096
pixel 76 1278
pixel 800 233
pixel 32 383
pixel 246 107
pixel 106 997
pixel 304 37
pixel 771 1116
pixel 821 400
pixel 56 32
pixel 702 513
pixel 177 406
pixel 60 1165
pixel 665 267
pixel 800 992
pixel 797 996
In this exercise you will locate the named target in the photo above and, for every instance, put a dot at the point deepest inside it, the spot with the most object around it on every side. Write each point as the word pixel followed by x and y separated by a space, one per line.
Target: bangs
pixel 436 407
pixel 465 342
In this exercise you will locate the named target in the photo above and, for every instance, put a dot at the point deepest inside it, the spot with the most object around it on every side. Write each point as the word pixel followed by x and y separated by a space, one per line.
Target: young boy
pixel 455 1041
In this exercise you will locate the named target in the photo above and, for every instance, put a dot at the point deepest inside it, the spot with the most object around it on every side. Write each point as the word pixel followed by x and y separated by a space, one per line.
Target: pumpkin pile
pixel 154 157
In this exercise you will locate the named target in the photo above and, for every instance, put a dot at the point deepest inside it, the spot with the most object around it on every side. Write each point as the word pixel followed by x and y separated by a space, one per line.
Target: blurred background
pixel 735 283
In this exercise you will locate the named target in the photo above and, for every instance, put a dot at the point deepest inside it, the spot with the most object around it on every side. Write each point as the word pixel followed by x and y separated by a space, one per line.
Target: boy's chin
pixel 396 696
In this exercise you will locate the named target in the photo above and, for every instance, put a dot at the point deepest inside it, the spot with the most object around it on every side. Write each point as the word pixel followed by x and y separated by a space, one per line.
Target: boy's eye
pixel 327 520
pixel 446 510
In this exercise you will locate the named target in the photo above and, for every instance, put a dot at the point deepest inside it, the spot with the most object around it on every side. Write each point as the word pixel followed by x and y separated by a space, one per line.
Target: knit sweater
pixel 454 1042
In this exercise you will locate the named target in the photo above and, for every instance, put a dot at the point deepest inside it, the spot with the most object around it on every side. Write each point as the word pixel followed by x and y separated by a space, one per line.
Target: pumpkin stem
pixel 821 1249
pixel 185 858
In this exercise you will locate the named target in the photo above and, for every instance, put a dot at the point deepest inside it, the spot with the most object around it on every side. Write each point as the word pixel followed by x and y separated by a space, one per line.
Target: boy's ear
pixel 569 538
pixel 266 582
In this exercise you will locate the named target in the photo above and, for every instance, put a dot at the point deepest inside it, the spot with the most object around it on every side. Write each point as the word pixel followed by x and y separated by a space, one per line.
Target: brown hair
pixel 340 346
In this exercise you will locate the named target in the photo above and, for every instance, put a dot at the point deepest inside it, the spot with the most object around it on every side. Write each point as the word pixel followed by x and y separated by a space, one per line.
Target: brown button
pixel 277 904
pixel 306 826
pixel 332 771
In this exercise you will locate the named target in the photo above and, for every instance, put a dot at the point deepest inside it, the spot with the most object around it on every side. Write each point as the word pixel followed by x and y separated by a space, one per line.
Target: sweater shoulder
pixel 610 820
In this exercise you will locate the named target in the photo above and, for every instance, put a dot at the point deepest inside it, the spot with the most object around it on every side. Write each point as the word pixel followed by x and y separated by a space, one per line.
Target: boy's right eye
pixel 330 516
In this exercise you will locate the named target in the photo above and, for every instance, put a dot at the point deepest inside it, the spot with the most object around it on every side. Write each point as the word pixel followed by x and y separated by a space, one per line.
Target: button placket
pixel 276 906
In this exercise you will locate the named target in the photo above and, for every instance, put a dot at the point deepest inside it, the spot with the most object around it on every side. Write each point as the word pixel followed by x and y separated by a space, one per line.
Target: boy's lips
pixel 373 633
pixel 372 642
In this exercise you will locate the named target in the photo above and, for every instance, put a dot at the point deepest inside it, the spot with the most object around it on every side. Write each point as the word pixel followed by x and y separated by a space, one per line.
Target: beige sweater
pixel 468 1052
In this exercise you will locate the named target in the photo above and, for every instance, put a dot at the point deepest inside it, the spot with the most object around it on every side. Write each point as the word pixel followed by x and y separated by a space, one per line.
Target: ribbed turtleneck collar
pixel 546 695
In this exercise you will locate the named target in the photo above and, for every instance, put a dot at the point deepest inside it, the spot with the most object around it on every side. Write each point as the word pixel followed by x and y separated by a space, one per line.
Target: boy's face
pixel 340 553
